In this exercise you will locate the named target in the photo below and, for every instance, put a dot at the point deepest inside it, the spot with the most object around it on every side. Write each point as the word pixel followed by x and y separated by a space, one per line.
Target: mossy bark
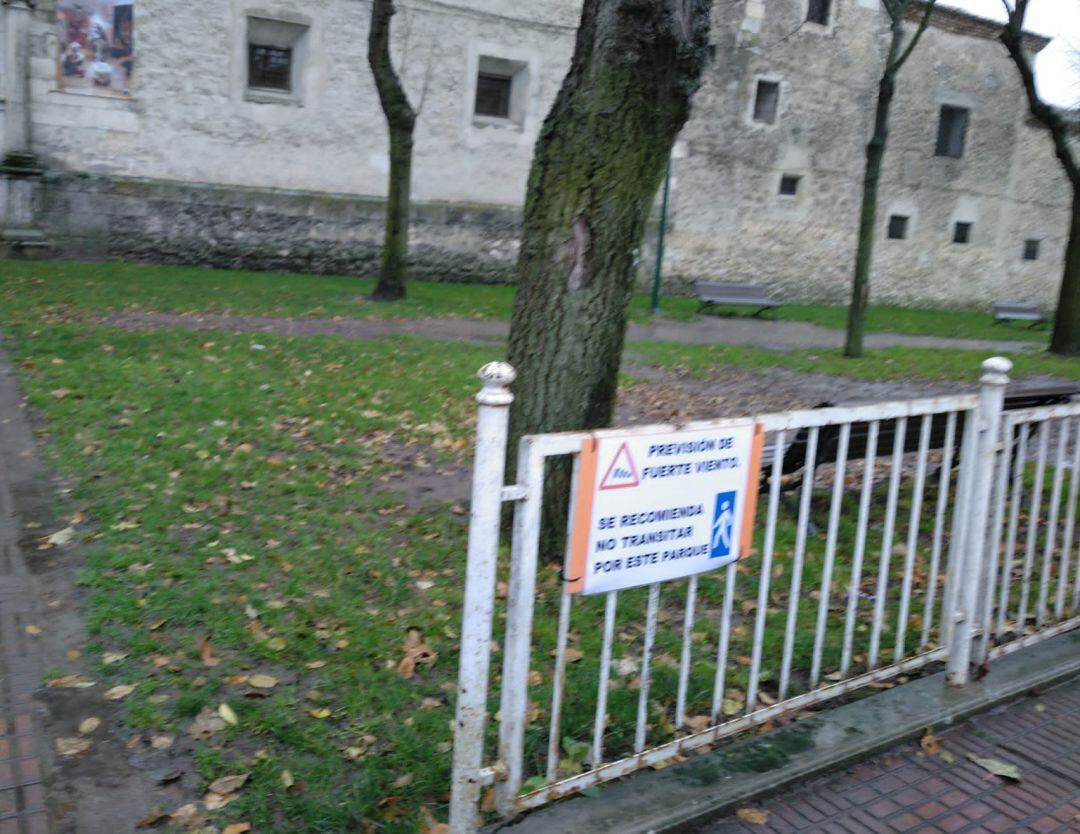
pixel 598 163
pixel 1065 339
pixel 875 161
pixel 400 120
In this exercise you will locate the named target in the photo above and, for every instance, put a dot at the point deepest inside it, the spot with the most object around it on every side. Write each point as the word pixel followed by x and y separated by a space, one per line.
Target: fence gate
pixel 887 537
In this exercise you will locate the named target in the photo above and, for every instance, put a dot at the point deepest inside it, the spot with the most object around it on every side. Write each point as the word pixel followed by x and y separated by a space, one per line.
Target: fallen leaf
pixel 206 653
pixel 417 652
pixel 929 743
pixel 236 828
pixel 109 658
pixel 154 817
pixel 404 781
pixel 186 815
pixel 61 536
pixel 731 706
pixel 698 723
pixel 72 747
pixel 161 741
pixel 73 654
pixel 33 629
pixel 574 655
pixel 287 780
pixel 217 801
pixel 206 723
pixel 60 393
pixel 71 682
pixel 119 693
pixel 320 713
pixel 227 714
pixel 263 681
pixel 998 768
pixel 228 784
pixel 88 726
pixel 428 825
pixel 275 643
pixel 758 816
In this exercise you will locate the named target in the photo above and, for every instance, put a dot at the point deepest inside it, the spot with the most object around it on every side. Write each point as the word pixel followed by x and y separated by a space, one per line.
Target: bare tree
pixel 598 163
pixel 899 52
pixel 1065 339
pixel 400 121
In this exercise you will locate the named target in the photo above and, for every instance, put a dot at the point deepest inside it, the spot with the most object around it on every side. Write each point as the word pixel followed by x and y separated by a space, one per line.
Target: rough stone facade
pixel 199 167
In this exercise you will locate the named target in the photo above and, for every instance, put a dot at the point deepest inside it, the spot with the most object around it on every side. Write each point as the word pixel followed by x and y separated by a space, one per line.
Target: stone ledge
pixel 685 795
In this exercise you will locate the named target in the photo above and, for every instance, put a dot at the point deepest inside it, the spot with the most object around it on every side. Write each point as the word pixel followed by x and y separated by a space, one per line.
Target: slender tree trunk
pixel 599 160
pixel 1065 339
pixel 864 255
pixel 400 120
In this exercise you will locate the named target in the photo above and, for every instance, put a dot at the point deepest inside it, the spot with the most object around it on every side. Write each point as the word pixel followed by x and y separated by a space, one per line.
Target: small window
pixel 270 67
pixel 898 227
pixel 1031 249
pixel 817 11
pixel 766 102
pixel 493 95
pixel 962 233
pixel 952 131
pixel 789 185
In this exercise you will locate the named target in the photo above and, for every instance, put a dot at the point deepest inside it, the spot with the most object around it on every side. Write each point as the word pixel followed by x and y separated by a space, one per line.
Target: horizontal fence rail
pixel 869 561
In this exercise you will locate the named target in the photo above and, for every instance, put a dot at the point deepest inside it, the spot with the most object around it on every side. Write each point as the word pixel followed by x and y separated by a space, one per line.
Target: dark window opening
pixel 493 95
pixel 270 67
pixel 962 233
pixel 766 101
pixel 898 227
pixel 789 185
pixel 817 11
pixel 952 131
pixel 1031 250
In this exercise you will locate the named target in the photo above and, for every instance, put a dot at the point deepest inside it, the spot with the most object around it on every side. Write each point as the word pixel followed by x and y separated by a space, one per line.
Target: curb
pixel 681 797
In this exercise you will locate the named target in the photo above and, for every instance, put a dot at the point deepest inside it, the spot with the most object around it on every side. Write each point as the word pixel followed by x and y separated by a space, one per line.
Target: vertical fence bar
pixel 483 549
pixel 939 529
pixel 724 644
pixel 860 546
pixel 1051 525
pixel 521 593
pixel 973 562
pixel 605 676
pixel 558 684
pixel 835 508
pixel 994 545
pixel 646 666
pixel 1070 521
pixel 882 591
pixel 913 536
pixel 686 658
pixel 1017 462
pixel 961 502
pixel 766 569
pixel 1033 527
pixel 800 555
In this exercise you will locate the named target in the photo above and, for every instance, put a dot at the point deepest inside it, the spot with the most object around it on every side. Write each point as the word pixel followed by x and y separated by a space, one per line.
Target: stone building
pixel 248 133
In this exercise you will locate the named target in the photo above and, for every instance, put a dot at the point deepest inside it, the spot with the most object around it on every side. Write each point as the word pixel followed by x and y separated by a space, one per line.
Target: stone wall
pixel 95 217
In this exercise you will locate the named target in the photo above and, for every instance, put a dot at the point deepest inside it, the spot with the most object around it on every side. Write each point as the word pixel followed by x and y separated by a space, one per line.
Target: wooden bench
pixel 711 294
pixel 1017 311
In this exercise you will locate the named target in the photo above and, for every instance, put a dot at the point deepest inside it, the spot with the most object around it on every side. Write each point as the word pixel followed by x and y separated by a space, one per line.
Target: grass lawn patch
pixel 60 290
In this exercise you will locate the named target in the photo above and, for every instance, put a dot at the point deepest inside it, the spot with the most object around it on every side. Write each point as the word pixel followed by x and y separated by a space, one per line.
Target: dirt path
pixel 778 335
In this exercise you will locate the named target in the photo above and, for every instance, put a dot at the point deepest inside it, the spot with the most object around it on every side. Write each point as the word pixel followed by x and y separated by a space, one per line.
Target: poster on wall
pixel 97 46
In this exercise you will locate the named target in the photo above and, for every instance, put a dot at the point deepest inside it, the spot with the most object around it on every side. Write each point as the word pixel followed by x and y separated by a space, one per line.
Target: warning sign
pixel 652 507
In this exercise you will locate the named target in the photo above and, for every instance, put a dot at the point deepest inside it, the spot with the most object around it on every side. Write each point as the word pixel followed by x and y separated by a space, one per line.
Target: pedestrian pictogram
pixel 622 472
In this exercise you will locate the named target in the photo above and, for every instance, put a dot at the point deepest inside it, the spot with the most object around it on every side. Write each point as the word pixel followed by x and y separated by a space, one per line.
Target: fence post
pixel 977 558
pixel 479 608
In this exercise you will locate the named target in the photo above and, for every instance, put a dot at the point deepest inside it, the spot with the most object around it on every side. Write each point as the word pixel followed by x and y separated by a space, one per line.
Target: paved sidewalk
pixel 22 793
pixel 906 790
pixel 713 330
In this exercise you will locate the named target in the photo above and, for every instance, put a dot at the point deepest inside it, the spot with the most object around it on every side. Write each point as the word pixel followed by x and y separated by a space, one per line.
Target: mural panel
pixel 97 46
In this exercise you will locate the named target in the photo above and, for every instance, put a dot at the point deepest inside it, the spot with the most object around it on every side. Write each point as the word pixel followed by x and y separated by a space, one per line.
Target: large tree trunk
pixel 1065 340
pixel 400 120
pixel 864 256
pixel 598 163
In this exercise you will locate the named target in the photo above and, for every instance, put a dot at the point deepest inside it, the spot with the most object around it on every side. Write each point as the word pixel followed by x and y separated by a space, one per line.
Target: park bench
pixel 794 462
pixel 1017 311
pixel 711 294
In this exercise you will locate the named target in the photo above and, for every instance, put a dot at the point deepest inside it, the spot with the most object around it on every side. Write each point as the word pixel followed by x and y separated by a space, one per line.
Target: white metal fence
pixel 891 536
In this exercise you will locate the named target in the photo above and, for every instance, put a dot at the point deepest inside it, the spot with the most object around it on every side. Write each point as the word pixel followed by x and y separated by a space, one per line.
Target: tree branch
pixel 923 24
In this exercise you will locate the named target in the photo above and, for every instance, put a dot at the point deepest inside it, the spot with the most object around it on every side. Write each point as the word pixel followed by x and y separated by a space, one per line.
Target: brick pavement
pixel 906 790
pixel 22 792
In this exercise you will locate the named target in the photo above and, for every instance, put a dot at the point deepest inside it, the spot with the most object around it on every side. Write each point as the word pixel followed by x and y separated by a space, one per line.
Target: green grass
pixel 63 290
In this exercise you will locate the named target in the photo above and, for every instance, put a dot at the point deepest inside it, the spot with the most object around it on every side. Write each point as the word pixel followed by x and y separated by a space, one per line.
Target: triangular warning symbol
pixel 622 473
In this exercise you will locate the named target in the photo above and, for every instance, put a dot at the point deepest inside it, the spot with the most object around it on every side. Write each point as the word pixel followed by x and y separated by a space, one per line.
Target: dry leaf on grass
pixel 263 681
pixel 229 784
pixel 162 741
pixel 33 629
pixel 186 815
pixel 71 682
pixel 206 653
pixel 287 780
pixel 236 828
pixel 227 714
pixel 998 768
pixel 119 693
pixel 206 723
pixel 428 825
pixel 697 723
pixel 153 818
pixel 758 816
pixel 417 652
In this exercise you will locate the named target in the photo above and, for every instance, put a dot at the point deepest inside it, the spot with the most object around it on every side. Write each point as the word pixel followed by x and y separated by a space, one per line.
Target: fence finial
pixel 996 371
pixel 496 377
